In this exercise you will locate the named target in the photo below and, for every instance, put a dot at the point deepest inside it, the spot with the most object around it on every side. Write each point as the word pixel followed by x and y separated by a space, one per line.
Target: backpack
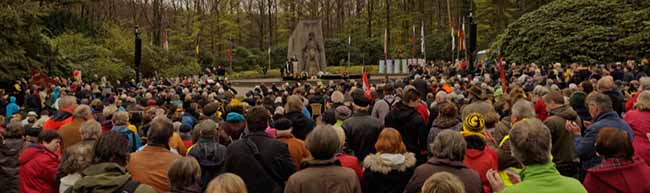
pixel 133 146
pixel 128 187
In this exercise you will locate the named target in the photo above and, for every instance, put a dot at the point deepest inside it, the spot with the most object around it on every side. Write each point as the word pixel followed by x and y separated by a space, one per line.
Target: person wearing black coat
pixel 405 118
pixel 294 112
pixel 209 153
pixel 361 130
pixel 262 162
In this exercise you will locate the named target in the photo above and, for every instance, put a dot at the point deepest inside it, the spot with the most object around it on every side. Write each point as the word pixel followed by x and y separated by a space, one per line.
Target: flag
pixel 413 47
pixel 502 74
pixel 461 36
pixel 422 40
pixel 386 44
pixel 76 74
pixel 165 41
pixel 197 50
pixel 366 84
pixel 349 40
pixel 229 52
pixel 453 38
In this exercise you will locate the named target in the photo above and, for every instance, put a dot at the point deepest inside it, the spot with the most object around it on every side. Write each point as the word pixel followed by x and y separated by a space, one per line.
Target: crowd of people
pixel 556 128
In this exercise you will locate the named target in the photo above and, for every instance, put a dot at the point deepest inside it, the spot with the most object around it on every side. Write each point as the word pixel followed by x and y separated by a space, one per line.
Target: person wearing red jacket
pixel 67 104
pixel 38 164
pixel 478 156
pixel 620 170
pixel 644 84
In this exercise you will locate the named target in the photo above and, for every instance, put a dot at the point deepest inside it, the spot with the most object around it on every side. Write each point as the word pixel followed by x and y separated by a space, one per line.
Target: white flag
pixel 422 39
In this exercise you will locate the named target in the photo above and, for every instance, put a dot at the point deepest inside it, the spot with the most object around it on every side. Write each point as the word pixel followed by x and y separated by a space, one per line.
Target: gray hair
pixel 600 100
pixel 540 90
pixel 530 140
pixel 644 83
pixel 82 111
pixel 442 94
pixel 90 129
pixel 323 142
pixel 449 144
pixel 523 109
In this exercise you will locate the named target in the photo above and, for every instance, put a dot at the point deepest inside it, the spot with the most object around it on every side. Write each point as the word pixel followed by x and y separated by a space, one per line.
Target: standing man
pixel 361 130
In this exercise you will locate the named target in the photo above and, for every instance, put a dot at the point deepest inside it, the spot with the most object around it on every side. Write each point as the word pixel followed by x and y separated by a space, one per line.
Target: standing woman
pixel 639 120
pixel 323 173
pixel 388 170
pixel 620 170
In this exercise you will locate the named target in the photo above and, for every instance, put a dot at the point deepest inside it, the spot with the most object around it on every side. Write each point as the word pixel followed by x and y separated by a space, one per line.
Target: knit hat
pixel 235 117
pixel 282 124
pixel 342 113
pixel 473 124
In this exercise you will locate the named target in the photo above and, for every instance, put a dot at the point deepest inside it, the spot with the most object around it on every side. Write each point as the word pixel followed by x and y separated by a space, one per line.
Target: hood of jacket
pixel 12 99
pixel 12 147
pixel 386 162
pixel 445 123
pixel 209 153
pixel 34 151
pixel 473 154
pixel 623 178
pixel 565 112
pixel 102 178
pixel 404 111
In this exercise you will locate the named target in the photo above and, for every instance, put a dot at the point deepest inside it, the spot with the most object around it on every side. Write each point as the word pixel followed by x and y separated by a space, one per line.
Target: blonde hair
pixel 294 104
pixel 227 183
pixel 121 118
pixel 443 182
pixel 643 102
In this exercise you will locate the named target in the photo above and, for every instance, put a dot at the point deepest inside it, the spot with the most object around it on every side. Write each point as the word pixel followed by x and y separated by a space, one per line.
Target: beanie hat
pixel 473 124
pixel 210 109
pixel 234 117
pixel 359 99
pixel 282 124
pixel 342 113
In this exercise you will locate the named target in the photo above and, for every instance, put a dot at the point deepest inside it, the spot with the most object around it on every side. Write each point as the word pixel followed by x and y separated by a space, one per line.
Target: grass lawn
pixel 275 73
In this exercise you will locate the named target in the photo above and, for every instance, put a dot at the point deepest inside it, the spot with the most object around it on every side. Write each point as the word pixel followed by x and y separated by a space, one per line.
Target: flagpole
pixel 451 28
pixel 349 46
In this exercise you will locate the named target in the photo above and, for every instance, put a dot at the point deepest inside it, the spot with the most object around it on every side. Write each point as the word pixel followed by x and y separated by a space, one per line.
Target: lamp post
pixel 137 54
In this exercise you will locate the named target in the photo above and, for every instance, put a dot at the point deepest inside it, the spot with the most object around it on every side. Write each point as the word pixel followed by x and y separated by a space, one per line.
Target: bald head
pixel 606 84
pixel 644 83
pixel 68 102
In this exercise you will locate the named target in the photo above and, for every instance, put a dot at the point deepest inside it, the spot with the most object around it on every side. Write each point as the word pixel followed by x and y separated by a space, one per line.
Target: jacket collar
pixel 375 162
pixel 606 115
pixel 320 163
pixel 538 170
pixel 446 162
pixel 361 113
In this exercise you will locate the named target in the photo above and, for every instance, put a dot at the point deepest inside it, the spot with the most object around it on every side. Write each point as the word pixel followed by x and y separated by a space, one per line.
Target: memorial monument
pixel 306 45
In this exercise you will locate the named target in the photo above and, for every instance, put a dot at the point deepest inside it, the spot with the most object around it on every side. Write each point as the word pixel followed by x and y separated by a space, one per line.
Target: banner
pixel 397 66
pixel 502 75
pixel 389 66
pixel 76 74
pixel 382 66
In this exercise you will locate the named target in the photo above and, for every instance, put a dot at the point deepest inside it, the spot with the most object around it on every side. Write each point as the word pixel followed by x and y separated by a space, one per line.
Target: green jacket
pixel 106 178
pixel 544 178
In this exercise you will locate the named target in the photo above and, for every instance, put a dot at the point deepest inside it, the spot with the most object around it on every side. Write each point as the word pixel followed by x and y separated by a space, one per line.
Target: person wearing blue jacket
pixel 12 107
pixel 601 109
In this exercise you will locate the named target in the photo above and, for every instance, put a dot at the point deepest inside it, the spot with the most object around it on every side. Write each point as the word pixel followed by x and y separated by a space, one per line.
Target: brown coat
pixel 297 148
pixel 150 166
pixel 70 134
pixel 320 176
pixel 468 176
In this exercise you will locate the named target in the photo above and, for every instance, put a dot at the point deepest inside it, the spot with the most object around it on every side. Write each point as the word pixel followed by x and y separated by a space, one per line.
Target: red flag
pixel 366 84
pixel 386 44
pixel 41 79
pixel 502 74
pixel 229 54
pixel 461 38
pixel 413 42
